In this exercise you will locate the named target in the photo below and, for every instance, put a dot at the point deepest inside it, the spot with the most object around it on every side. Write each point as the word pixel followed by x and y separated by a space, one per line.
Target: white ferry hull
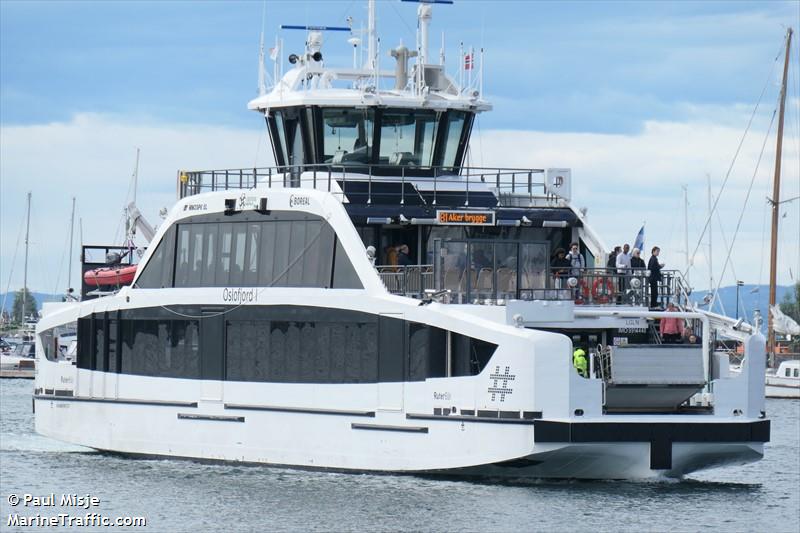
pixel 380 440
pixel 444 449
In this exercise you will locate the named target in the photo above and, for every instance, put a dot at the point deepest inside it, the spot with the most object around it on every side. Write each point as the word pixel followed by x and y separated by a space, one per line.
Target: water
pixel 188 496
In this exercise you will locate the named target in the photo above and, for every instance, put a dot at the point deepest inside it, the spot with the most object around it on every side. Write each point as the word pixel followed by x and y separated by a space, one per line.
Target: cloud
pixel 623 179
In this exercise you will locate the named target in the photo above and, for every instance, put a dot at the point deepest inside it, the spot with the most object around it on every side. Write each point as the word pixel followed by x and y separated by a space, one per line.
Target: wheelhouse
pixel 377 139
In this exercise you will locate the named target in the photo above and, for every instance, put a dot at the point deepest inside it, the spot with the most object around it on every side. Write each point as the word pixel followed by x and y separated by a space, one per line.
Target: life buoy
pixel 602 289
pixel 583 292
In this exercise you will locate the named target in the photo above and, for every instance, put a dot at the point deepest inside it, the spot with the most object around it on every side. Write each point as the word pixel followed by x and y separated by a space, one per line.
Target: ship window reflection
pixel 347 135
pixel 407 137
pixel 455 126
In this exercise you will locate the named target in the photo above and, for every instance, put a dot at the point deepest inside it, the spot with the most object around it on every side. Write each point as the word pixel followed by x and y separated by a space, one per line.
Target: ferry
pixel 372 303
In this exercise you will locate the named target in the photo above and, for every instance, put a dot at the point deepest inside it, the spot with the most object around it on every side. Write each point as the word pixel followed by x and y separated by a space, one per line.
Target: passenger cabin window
pixel 274 343
pixel 277 250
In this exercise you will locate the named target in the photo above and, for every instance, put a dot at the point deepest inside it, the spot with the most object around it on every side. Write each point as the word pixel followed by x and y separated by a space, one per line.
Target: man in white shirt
pixel 624 268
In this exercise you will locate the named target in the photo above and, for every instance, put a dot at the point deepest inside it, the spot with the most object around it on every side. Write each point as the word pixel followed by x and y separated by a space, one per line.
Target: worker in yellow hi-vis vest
pixel 580 363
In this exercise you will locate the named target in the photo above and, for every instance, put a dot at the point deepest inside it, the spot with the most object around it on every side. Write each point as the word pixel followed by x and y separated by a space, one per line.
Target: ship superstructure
pixel 374 303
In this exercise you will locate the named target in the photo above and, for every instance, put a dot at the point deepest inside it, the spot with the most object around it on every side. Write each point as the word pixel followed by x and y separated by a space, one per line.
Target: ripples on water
pixel 190 496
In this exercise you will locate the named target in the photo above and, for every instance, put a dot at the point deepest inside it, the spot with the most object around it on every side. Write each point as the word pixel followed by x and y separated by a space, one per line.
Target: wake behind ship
pixel 371 303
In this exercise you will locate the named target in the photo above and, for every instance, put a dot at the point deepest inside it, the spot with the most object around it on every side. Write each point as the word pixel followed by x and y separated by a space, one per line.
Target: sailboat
pixel 783 382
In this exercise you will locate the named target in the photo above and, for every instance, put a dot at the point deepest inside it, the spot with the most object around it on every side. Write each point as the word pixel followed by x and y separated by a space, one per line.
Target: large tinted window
pixel 408 137
pixel 347 135
pixel 455 126
pixel 163 348
pixel 158 271
pixel 302 351
pixel 268 253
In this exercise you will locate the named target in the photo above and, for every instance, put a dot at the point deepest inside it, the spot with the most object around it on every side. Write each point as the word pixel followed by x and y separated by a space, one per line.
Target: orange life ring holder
pixel 583 292
pixel 602 289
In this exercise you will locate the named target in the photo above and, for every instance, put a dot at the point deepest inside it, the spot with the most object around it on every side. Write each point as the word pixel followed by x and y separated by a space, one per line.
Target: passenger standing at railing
pixel 403 259
pixel 577 264
pixel 654 266
pixel 624 269
pixel 671 328
pixel 560 266
pixel 637 263
pixel 391 255
pixel 576 260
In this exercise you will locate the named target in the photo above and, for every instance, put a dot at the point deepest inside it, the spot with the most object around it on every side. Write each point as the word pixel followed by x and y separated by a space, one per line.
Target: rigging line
pixel 733 162
pixel 13 260
pixel 747 198
pixel 61 265
pixel 763 242
pixel 480 139
pixel 397 12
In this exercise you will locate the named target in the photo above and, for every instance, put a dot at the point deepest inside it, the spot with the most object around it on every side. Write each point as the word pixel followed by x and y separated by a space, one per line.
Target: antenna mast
pixel 69 254
pixel 25 274
pixel 775 201
pixel 371 44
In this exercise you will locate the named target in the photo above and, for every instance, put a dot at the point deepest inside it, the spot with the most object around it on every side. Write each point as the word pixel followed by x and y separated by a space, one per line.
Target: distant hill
pixel 40 297
pixel 751 297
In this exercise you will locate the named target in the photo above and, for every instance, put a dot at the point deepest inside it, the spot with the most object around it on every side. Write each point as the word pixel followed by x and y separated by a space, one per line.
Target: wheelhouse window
pixel 418 139
pixel 347 135
pixel 408 137
pixel 456 120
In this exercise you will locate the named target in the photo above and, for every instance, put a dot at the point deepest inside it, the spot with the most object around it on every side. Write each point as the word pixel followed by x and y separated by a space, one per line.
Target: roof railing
pixel 368 183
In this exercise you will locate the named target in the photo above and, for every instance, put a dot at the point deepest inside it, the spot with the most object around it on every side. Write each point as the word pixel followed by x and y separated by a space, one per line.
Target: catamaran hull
pixel 400 443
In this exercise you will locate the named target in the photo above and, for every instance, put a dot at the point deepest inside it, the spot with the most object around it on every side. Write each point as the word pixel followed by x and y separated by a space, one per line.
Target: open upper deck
pixel 375 184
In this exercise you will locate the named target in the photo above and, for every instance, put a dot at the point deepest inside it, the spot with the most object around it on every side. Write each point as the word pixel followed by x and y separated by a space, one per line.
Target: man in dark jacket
pixel 654 266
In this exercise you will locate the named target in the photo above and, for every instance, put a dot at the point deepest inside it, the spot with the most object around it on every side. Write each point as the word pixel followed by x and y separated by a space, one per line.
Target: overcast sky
pixel 637 98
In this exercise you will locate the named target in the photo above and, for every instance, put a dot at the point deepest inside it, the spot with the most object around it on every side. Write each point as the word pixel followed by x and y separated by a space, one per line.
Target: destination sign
pixel 465 218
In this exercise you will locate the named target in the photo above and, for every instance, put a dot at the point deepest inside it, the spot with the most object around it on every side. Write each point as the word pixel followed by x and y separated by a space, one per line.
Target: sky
pixel 637 98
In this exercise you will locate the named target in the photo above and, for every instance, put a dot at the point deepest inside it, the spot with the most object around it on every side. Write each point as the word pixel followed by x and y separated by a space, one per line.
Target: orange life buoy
pixel 602 289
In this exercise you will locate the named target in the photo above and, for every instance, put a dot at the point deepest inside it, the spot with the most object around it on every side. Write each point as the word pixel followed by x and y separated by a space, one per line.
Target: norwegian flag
pixel 468 62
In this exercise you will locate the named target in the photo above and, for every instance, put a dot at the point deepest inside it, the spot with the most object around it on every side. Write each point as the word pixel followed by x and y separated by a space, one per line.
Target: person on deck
pixel 560 268
pixel 623 269
pixel 403 259
pixel 654 266
pixel 671 328
pixel 580 363
pixel 577 263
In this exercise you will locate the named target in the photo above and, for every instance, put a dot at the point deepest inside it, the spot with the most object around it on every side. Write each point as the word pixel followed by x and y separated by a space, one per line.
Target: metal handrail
pixel 503 181
pixel 586 286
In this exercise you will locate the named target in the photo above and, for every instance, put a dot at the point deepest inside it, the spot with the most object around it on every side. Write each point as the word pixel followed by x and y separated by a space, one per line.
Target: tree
pixel 30 305
pixel 790 306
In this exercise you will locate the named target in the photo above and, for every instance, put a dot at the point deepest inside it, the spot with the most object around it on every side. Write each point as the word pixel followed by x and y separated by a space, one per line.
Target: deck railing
pixel 589 286
pixel 366 183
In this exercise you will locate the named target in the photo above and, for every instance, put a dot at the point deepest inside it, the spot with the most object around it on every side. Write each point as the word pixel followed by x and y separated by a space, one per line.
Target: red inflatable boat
pixel 110 276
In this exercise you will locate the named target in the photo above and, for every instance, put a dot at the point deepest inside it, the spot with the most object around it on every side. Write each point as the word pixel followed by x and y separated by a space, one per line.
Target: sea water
pixel 182 495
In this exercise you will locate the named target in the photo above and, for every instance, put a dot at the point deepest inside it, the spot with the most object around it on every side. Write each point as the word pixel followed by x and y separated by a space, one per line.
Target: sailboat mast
pixel 686 228
pixel 776 193
pixel 710 232
pixel 69 254
pixel 25 274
